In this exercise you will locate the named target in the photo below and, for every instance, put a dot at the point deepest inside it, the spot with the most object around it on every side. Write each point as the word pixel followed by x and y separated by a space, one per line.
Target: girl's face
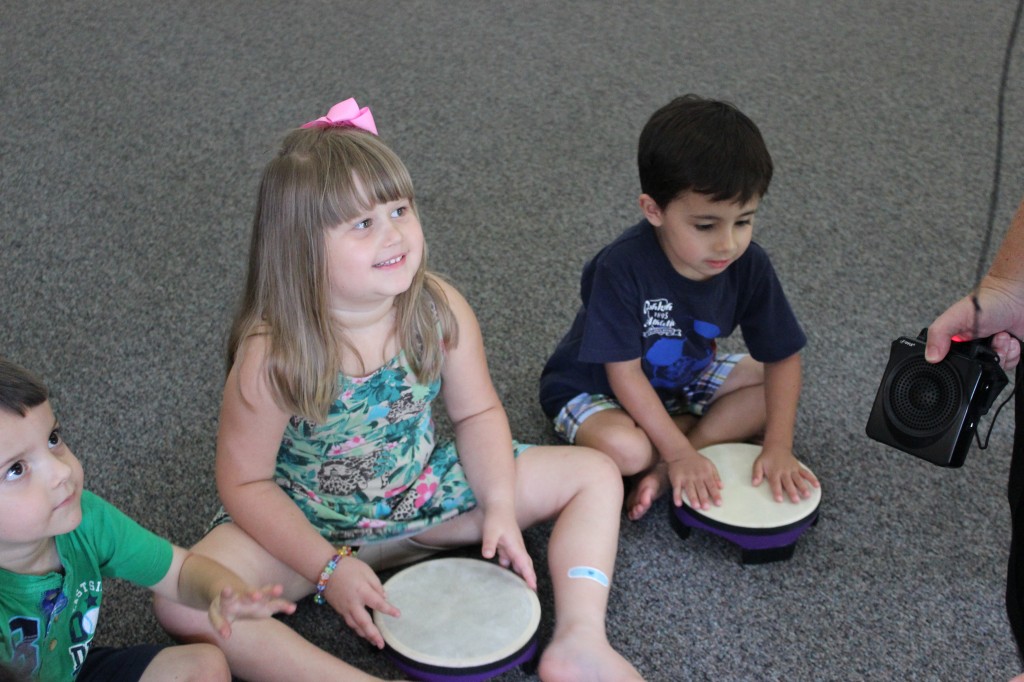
pixel 374 257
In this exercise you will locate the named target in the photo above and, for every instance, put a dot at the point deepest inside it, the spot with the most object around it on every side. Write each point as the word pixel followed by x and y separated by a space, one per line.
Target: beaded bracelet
pixel 325 575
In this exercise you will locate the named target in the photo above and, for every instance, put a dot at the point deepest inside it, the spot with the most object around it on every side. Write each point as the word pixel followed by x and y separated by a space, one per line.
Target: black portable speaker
pixel 930 410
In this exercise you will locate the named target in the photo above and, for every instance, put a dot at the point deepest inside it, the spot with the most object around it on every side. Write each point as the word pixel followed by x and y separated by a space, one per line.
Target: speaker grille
pixel 924 398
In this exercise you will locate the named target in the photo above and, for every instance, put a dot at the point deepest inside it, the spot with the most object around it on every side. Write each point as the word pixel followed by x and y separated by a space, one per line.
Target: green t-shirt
pixel 47 622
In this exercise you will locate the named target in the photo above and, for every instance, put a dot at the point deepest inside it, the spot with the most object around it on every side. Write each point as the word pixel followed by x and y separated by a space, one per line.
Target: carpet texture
pixel 134 134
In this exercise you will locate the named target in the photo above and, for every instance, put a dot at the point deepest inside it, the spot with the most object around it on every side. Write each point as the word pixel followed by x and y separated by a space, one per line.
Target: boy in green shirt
pixel 57 544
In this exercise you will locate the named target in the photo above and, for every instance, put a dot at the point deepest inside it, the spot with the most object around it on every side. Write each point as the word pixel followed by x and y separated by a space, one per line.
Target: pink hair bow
pixel 346 113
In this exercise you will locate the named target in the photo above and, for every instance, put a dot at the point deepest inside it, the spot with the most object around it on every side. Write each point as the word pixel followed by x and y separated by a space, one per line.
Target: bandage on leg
pixel 589 573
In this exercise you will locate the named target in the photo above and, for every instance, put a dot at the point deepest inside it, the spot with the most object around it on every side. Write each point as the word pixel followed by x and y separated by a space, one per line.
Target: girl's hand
pixel 501 536
pixel 354 587
pixel 784 474
pixel 697 476
pixel 262 603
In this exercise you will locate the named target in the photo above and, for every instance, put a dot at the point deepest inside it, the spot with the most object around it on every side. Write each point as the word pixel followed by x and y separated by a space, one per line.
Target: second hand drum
pixel 766 530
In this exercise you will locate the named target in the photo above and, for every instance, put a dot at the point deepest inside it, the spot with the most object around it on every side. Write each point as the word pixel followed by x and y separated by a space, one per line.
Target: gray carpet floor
pixel 134 132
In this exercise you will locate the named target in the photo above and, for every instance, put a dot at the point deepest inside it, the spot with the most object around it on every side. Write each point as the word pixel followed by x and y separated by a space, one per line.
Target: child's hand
pixel 263 603
pixel 697 476
pixel 784 473
pixel 354 587
pixel 501 536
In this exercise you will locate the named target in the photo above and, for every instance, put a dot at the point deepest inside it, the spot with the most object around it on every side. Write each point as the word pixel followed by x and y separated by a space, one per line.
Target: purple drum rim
pixel 432 673
pixel 748 538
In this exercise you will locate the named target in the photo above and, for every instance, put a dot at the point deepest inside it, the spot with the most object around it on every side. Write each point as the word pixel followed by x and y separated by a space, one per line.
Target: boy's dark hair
pixel 20 390
pixel 705 146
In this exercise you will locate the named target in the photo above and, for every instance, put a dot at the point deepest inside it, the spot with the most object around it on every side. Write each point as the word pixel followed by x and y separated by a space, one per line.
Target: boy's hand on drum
pixel 502 537
pixel 784 473
pixel 352 589
pixel 697 477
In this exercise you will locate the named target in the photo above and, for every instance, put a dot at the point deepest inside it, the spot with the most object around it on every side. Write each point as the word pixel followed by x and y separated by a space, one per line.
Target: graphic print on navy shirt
pixel 685 349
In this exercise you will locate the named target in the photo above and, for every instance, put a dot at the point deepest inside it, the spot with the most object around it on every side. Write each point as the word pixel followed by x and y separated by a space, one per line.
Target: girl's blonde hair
pixel 321 178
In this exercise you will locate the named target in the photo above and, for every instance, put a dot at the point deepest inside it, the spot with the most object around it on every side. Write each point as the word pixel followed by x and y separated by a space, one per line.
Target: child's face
pixel 701 237
pixel 40 480
pixel 375 256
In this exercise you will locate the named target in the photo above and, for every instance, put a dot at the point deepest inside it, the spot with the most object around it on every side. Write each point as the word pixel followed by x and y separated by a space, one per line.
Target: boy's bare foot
pixel 584 655
pixel 649 486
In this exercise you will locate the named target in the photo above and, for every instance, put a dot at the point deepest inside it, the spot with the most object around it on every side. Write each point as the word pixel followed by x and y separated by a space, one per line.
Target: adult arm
pixel 1000 298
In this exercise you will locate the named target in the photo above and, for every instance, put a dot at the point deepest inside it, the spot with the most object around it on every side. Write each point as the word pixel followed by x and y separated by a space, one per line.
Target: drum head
pixel 743 505
pixel 458 613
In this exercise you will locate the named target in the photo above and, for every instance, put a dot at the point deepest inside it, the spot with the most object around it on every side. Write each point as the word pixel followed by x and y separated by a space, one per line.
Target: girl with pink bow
pixel 328 464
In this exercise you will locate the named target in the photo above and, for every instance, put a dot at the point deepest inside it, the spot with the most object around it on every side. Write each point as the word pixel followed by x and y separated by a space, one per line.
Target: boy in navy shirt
pixel 638 375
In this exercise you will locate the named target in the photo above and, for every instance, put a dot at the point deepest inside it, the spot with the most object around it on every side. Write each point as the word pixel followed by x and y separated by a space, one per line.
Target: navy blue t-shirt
pixel 635 305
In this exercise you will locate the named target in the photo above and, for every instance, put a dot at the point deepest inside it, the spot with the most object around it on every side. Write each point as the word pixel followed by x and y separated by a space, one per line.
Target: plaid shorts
pixel 694 399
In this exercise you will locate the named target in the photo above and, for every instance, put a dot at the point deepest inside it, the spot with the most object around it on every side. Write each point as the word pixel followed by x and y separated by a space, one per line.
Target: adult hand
pixel 1001 311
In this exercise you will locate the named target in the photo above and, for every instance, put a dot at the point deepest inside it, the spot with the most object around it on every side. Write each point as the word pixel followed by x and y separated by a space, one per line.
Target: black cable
pixel 992 423
pixel 993 202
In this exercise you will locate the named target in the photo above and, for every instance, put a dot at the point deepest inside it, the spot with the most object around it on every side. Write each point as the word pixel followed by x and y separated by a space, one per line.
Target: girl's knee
pixel 189 663
pixel 239 551
pixel 181 622
pixel 595 469
pixel 206 663
pixel 172 616
pixel 602 466
pixel 550 477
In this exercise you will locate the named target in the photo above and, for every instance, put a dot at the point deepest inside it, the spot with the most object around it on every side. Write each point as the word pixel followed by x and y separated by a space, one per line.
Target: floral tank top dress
pixel 372 471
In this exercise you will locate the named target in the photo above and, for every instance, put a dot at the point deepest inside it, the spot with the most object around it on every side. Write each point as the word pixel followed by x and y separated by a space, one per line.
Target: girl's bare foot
pixel 584 655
